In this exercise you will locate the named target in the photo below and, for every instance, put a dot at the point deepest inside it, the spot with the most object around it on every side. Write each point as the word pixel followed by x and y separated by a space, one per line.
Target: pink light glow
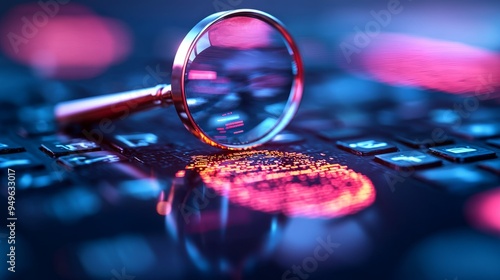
pixel 69 43
pixel 453 67
pixel 240 33
pixel 202 75
pixel 483 211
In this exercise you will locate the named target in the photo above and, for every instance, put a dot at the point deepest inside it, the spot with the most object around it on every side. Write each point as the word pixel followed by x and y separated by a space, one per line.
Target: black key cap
pixel 463 153
pixel 367 146
pixel 424 141
pixel 87 159
pixel 458 178
pixel 9 147
pixel 74 146
pixel 491 165
pixel 478 130
pixel 408 160
pixel 37 129
pixel 494 142
pixel 340 133
pixel 129 142
pixel 19 161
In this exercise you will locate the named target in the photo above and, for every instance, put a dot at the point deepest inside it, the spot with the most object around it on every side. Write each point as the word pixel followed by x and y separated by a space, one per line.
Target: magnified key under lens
pixel 237 81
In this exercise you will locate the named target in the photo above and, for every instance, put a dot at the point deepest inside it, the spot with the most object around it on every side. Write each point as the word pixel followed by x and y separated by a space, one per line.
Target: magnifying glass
pixel 237 81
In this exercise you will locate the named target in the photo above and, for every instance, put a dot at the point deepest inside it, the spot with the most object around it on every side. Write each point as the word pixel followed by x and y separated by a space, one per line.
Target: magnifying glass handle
pixel 112 106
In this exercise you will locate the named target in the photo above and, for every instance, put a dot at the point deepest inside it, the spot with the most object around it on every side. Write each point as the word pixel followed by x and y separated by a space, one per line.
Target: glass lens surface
pixel 238 80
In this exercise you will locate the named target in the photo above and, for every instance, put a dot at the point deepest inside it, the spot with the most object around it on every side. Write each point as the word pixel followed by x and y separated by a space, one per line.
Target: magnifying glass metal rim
pixel 181 62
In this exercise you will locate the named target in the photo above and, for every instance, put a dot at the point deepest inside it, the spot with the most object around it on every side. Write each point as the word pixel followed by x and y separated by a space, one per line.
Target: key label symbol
pixel 138 140
pixel 416 159
pixel 76 146
pixel 370 144
pixel 86 161
pixel 461 150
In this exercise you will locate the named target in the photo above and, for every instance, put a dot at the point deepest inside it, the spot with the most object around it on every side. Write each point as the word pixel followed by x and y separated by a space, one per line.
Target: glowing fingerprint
pixel 286 182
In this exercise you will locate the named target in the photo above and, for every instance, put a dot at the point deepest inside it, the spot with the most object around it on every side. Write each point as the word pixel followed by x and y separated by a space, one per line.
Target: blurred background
pixel 94 47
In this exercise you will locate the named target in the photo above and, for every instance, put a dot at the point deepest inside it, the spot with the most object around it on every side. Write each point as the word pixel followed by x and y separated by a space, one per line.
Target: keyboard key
pixel 494 142
pixel 126 143
pixel 458 178
pixel 491 165
pixel 340 133
pixel 9 147
pixel 424 141
pixel 478 131
pixel 367 146
pixel 463 153
pixel 444 117
pixel 74 146
pixel 87 159
pixel 137 139
pixel 19 161
pixel 37 180
pixel 408 160
pixel 37 129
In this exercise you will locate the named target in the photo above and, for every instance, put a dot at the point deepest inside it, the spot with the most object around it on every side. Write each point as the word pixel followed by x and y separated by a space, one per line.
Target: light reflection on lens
pixel 238 80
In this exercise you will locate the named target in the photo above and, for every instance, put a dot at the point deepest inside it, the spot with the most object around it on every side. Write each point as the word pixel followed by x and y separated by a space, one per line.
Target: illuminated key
pixel 366 147
pixel 19 161
pixel 491 165
pixel 463 153
pixel 87 159
pixel 458 178
pixel 494 142
pixel 478 130
pixel 8 147
pixel 424 140
pixel 461 150
pixel 408 160
pixel 61 148
pixel 137 140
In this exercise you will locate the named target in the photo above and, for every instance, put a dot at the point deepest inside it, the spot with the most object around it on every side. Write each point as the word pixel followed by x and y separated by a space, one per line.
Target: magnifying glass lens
pixel 238 81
